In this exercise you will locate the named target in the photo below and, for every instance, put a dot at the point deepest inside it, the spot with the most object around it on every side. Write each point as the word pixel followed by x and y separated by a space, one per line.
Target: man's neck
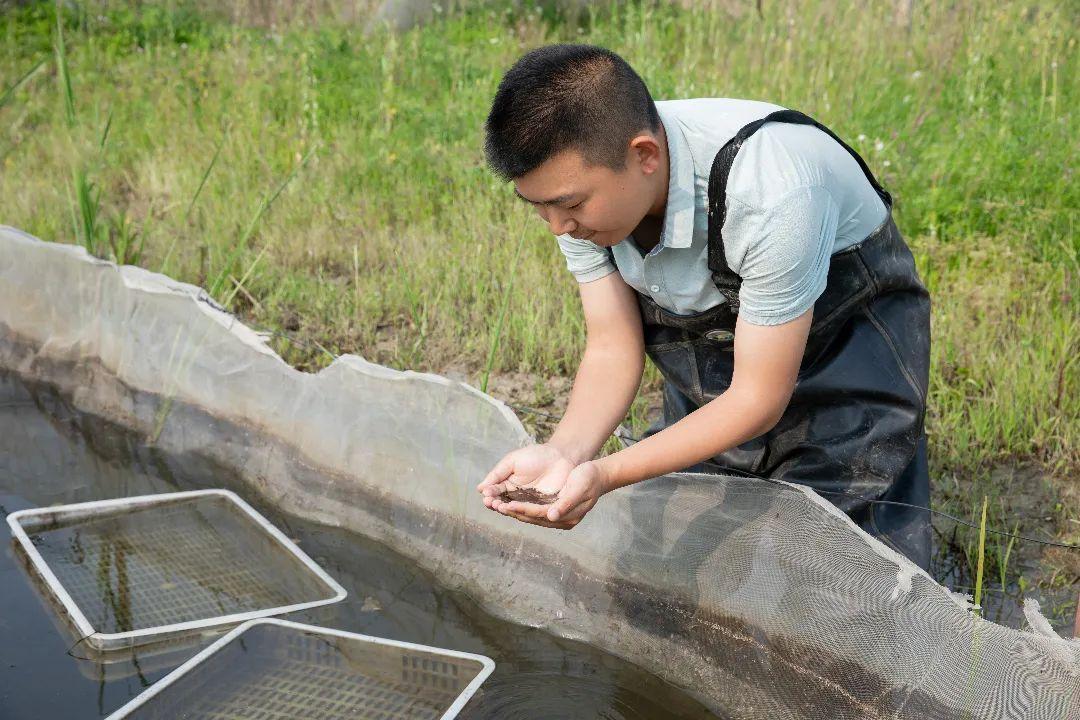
pixel 662 179
pixel 647 233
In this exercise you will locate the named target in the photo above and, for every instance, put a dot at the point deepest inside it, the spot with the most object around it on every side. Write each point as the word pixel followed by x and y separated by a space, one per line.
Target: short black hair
pixel 560 97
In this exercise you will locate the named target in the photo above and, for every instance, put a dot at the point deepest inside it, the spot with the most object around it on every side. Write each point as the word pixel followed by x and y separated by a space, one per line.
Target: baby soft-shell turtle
pixel 528 495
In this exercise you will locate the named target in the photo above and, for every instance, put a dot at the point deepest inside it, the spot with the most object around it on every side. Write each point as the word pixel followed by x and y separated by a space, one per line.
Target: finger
pixel 497 503
pixel 542 523
pixel 493 495
pixel 512 481
pixel 575 513
pixel 569 498
pixel 497 475
pixel 527 508
pixel 537 519
pixel 500 472
pixel 496 489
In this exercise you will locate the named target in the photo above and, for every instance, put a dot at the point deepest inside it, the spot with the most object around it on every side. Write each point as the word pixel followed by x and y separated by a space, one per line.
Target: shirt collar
pixel 678 230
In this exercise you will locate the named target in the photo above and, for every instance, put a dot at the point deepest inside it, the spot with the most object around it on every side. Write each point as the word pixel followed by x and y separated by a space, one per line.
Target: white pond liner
pixel 275 669
pixel 758 598
pixel 139 570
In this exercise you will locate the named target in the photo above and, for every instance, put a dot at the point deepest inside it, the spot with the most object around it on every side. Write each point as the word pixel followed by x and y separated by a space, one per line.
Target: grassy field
pixel 329 184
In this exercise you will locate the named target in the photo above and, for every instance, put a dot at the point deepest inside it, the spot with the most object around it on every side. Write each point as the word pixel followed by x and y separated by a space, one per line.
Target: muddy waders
pixel 853 430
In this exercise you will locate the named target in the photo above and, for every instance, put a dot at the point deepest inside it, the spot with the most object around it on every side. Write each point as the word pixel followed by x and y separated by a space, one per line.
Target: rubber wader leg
pixel 906 529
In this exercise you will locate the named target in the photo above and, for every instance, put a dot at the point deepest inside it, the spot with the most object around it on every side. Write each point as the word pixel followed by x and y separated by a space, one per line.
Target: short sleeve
pixel 785 250
pixel 585 260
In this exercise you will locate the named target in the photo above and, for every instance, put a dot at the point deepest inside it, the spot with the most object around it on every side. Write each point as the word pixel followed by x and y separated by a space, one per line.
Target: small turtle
pixel 528 495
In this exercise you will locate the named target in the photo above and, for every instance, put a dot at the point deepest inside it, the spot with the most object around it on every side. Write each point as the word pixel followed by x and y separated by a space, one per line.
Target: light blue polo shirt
pixel 794 197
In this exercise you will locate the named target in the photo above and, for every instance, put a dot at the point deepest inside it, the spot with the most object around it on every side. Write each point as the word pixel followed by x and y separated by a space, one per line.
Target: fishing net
pixel 759 598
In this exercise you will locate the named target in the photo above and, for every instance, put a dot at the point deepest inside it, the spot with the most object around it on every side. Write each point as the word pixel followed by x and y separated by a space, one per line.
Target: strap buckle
pixel 720 336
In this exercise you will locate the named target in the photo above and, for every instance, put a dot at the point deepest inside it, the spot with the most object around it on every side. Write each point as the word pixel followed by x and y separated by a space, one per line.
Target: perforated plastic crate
pixel 279 670
pixel 142 569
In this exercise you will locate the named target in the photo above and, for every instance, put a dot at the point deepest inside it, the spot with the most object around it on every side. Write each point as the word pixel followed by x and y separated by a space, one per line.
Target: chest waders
pixel 853 429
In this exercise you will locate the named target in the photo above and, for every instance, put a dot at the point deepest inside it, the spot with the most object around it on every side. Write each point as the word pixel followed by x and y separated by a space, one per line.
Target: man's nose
pixel 560 221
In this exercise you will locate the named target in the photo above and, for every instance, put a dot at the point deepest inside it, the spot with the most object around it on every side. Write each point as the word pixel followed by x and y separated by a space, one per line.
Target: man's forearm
pixel 767 360
pixel 605 385
pixel 729 420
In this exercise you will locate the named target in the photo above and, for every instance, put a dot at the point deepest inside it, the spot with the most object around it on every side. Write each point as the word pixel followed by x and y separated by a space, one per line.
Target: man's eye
pixel 572 207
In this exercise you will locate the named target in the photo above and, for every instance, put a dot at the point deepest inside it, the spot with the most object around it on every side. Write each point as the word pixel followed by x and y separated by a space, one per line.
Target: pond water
pixel 51 454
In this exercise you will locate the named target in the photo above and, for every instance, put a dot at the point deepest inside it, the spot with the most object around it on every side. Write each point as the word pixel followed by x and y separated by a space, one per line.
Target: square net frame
pixel 272 669
pixel 175 584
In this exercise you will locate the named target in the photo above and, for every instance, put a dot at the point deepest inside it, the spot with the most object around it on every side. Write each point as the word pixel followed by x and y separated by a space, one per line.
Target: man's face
pixel 590 202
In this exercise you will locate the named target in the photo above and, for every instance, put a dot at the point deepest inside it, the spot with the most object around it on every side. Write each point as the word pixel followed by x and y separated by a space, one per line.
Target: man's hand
pixel 540 467
pixel 546 470
pixel 584 486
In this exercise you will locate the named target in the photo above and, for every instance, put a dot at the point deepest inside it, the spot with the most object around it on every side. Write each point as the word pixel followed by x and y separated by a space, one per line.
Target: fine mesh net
pixel 759 598
pixel 273 671
pixel 145 565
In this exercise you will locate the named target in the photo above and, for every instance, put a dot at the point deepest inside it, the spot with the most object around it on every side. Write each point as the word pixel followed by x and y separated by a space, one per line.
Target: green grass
pixel 389 238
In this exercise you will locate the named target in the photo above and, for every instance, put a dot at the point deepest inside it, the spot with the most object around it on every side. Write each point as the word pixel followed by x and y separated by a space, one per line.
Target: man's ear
pixel 645 149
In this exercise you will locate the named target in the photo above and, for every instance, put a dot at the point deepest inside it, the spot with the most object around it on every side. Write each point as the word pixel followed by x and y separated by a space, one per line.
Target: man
pixel 752 255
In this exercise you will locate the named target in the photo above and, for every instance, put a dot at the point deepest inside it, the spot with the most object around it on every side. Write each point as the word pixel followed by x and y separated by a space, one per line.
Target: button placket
pixel 647 276
pixel 650 269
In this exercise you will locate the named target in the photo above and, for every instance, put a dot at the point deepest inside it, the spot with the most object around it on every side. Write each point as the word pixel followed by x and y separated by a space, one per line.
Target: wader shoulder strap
pixel 727 282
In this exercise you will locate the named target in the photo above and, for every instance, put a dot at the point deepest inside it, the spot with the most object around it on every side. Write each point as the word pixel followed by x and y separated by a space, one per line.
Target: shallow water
pixel 50 454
